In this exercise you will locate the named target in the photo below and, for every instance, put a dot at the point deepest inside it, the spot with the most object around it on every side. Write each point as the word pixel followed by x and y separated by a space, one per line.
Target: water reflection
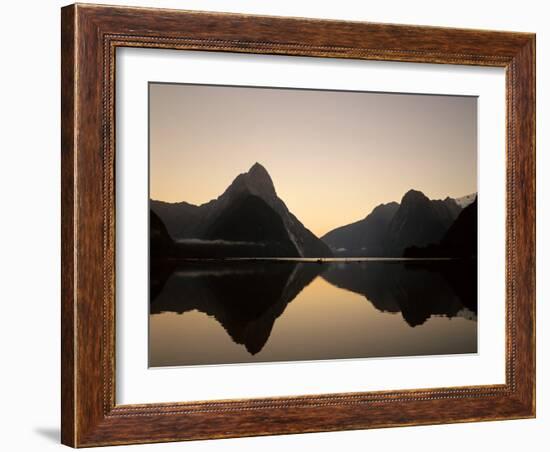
pixel 338 310
pixel 417 289
pixel 245 297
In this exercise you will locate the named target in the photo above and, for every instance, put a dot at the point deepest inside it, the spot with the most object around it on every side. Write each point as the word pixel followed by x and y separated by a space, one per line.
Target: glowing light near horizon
pixel 333 155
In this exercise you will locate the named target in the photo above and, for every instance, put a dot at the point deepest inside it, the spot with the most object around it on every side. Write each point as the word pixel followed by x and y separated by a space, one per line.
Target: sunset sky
pixel 333 155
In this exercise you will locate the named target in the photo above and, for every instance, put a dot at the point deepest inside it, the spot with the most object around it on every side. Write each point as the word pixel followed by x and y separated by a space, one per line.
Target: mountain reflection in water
pixel 289 310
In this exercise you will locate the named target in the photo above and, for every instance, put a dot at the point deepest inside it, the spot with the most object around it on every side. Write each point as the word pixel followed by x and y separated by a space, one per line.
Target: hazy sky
pixel 333 155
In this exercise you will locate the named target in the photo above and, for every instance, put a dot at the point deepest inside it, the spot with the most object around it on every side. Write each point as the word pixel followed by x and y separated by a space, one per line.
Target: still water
pixel 264 311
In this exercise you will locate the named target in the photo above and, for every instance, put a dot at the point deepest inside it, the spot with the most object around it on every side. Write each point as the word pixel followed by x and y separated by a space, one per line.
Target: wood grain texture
pixel 90 36
pixel 68 147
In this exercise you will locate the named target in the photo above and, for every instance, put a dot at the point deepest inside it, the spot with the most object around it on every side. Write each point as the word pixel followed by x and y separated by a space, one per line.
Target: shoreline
pixel 319 260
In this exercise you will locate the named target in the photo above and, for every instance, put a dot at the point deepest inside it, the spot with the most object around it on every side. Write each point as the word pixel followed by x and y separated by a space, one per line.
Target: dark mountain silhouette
pixel 416 290
pixel 248 219
pixel 366 237
pixel 391 228
pixel 161 243
pixel 244 297
pixel 181 218
pixel 251 219
pixel 419 221
pixel 459 241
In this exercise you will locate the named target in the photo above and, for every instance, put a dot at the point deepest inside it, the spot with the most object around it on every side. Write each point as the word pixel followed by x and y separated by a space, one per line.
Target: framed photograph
pixel 281 225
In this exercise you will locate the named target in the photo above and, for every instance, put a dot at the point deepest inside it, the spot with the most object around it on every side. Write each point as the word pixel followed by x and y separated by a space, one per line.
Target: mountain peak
pixel 414 195
pixel 258 181
pixel 257 168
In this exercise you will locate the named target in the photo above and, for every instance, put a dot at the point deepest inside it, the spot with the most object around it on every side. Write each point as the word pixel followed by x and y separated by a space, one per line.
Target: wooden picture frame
pixel 90 35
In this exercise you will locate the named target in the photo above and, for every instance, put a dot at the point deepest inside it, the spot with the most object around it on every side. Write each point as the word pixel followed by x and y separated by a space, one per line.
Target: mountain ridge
pixel 419 221
pixel 255 195
pixel 392 227
pixel 362 237
pixel 248 219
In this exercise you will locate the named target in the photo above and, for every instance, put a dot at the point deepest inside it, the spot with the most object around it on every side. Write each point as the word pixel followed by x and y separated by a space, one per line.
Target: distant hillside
pixel 365 237
pixel 391 228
